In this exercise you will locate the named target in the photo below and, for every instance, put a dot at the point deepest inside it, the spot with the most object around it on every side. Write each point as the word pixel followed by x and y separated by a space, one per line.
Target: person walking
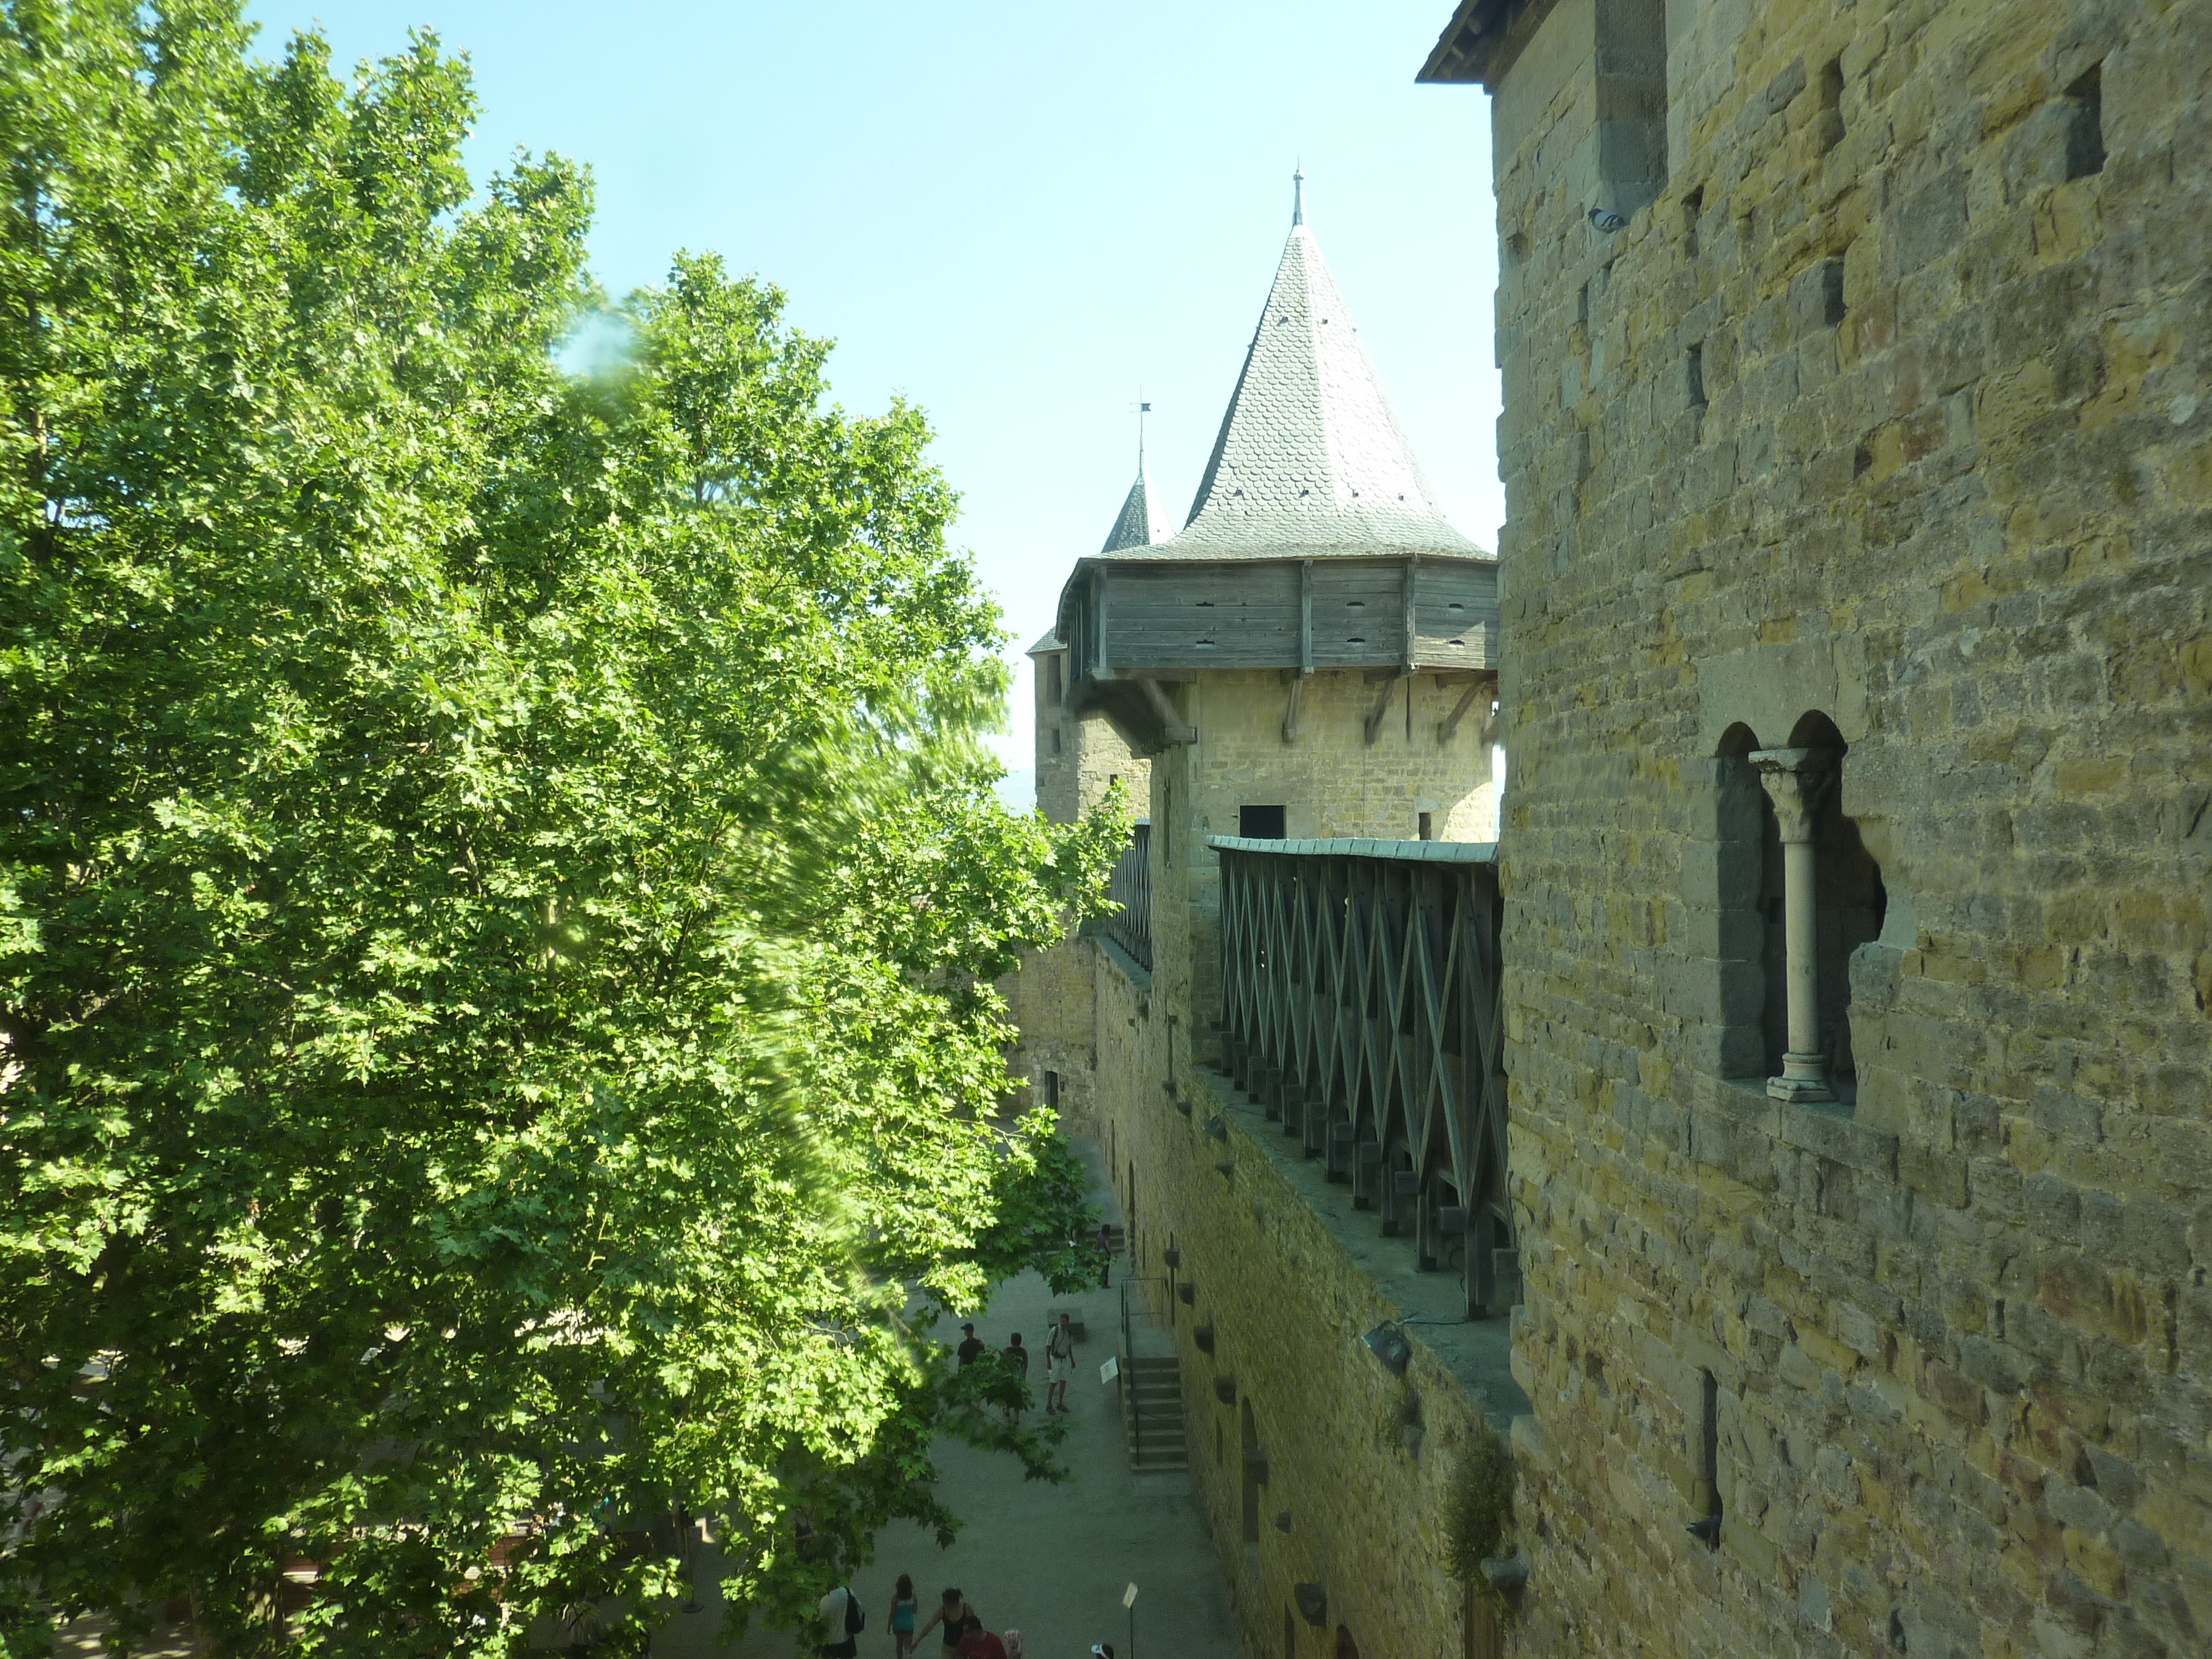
pixel 1015 1358
pixel 903 1608
pixel 1058 1367
pixel 971 1347
pixel 840 1615
pixel 958 1618
pixel 1105 1255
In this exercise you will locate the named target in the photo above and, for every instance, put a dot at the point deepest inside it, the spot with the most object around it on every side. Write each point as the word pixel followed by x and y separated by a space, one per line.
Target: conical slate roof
pixel 1134 526
pixel 1311 462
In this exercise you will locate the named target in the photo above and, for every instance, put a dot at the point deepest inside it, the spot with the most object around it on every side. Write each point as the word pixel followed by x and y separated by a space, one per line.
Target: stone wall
pixel 1284 1281
pixel 1890 410
pixel 1079 757
pixel 1049 998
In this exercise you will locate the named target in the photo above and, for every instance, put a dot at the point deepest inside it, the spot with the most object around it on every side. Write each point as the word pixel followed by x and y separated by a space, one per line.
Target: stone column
pixel 1795 780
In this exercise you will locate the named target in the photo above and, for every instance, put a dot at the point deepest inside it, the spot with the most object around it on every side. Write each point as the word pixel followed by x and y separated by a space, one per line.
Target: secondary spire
pixel 1297 197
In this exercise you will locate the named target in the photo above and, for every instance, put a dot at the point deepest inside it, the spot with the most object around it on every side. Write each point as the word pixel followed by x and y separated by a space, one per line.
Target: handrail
pixel 1127 1378
pixel 1419 852
pixel 1362 1007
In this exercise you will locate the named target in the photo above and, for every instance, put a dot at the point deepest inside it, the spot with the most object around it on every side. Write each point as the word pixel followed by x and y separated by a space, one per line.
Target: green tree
pixel 499 888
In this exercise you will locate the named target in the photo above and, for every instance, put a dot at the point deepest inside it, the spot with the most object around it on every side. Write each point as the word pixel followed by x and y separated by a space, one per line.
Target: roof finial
pixel 1143 410
pixel 1297 197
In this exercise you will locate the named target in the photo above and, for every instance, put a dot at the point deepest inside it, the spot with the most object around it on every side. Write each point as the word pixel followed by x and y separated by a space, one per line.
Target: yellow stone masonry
pixel 1884 418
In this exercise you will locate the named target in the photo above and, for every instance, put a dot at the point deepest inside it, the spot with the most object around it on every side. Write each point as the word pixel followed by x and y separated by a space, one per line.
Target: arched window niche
pixel 1765 802
pixel 1830 902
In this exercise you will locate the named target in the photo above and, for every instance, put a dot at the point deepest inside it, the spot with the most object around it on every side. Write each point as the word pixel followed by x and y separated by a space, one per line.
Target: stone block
pixel 1940 1177
pixel 1932 221
pixel 1836 1137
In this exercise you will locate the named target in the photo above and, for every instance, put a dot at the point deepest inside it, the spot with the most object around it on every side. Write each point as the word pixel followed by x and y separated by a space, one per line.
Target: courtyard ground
pixel 1050 1561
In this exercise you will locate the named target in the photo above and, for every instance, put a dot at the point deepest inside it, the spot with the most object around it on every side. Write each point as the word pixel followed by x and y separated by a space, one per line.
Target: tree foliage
pixel 499 888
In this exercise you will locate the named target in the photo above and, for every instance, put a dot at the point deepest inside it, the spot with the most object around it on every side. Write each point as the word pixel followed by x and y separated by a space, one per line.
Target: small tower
pixel 1314 654
pixel 1078 755
pixel 1054 997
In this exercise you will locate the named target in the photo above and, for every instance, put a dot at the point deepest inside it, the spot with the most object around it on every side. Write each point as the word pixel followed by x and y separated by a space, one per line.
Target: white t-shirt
pixel 832 1612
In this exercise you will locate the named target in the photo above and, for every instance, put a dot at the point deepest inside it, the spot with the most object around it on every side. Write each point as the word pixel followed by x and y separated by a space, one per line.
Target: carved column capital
pixel 1794 780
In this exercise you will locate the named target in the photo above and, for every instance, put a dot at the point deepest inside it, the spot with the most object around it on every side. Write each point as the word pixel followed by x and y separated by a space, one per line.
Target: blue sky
pixel 1021 217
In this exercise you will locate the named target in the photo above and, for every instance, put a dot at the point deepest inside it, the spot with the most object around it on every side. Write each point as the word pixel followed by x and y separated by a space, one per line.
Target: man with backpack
pixel 843 1619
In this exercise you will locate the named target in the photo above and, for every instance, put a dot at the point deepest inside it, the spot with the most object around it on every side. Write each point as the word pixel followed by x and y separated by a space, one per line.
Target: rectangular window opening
pixel 1708 1465
pixel 1052 1089
pixel 1631 106
pixel 1260 823
pixel 2085 128
pixel 1694 374
pixel 1055 740
pixel 1832 104
pixel 1427 827
pixel 1693 206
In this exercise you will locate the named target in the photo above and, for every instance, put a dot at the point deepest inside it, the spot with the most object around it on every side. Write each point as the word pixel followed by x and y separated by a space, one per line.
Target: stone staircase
pixel 1152 1411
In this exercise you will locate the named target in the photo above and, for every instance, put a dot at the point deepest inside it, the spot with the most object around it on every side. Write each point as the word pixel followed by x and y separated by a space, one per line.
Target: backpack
pixel 856 1616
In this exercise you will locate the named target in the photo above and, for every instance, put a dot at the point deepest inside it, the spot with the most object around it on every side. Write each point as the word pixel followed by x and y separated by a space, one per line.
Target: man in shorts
pixel 1058 1367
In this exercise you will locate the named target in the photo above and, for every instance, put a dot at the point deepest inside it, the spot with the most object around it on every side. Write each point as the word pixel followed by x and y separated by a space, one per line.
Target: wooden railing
pixel 1130 887
pixel 1361 1007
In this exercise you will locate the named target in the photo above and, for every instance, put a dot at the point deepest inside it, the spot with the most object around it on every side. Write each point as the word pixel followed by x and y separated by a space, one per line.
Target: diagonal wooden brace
pixel 1450 724
pixel 1291 713
pixel 1172 729
pixel 1381 708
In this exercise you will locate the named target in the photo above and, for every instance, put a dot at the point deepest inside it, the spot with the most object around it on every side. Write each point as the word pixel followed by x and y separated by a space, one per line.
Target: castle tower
pixel 1313 654
pixel 1079 756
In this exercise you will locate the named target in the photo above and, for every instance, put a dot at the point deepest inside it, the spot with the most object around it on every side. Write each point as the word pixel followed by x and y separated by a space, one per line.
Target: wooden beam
pixel 1291 713
pixel 1172 729
pixel 1450 724
pixel 1382 705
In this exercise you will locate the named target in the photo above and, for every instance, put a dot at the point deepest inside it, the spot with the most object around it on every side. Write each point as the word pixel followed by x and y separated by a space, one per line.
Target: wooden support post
pixel 1316 1123
pixel 1413 622
pixel 1305 618
pixel 1481 1262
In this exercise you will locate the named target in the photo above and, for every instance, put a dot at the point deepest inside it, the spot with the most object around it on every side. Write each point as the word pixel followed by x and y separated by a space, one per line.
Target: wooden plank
pixel 1305 620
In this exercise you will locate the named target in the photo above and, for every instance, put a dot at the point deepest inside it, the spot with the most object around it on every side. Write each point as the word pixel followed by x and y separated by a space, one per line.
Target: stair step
pixel 1152 1414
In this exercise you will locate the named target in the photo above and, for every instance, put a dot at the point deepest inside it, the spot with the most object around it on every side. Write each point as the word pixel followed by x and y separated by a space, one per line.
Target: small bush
pixel 1479 1521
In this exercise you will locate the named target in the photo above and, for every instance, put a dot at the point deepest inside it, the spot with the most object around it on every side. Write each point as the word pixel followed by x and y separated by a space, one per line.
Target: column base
pixel 1802 1080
